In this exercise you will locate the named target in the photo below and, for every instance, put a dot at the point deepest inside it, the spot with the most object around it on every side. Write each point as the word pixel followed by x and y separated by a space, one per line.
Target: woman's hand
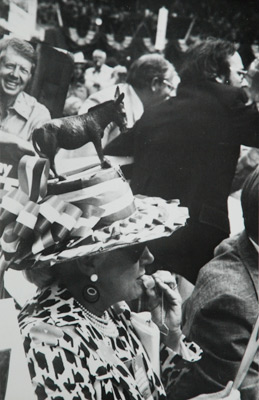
pixel 227 393
pixel 165 304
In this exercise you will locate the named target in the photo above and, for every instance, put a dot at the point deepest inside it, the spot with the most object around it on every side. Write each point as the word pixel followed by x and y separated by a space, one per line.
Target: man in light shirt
pixel 99 76
pixel 20 113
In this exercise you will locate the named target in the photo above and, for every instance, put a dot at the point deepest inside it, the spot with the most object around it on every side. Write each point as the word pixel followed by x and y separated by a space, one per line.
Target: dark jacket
pixel 187 148
pixel 220 315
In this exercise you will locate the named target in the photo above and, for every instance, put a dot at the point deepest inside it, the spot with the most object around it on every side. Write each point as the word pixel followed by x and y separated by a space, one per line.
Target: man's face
pixel 237 73
pixel 15 72
pixel 98 60
pixel 166 88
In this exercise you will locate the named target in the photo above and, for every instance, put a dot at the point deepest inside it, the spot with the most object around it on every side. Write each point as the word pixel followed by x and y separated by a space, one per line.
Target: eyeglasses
pixel 240 72
pixel 168 84
pixel 135 251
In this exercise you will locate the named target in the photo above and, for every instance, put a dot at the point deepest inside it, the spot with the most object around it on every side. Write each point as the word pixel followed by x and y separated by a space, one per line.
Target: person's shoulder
pixel 107 68
pixel 32 103
pixel 225 269
pixel 99 97
pixel 106 94
pixel 30 100
pixel 226 245
pixel 158 115
pixel 228 95
pixel 89 70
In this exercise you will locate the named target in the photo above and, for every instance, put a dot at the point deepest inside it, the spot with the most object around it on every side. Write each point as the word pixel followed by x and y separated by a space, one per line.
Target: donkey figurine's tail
pixel 46 149
pixel 35 134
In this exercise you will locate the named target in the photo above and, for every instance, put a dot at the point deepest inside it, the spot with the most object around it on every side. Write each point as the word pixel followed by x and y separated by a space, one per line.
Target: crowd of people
pixel 193 134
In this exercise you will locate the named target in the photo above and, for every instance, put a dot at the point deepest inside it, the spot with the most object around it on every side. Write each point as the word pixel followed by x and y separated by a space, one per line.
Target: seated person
pixel 187 148
pixel 119 74
pixel 249 156
pixel 221 313
pixel 80 337
pixel 99 76
pixel 77 92
pixel 145 86
pixel 20 113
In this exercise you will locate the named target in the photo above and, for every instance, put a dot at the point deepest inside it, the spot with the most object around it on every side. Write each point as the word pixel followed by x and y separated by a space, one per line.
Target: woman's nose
pixel 146 257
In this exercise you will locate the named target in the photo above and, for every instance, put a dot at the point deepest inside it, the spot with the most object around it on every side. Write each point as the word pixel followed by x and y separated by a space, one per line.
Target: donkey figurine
pixel 75 131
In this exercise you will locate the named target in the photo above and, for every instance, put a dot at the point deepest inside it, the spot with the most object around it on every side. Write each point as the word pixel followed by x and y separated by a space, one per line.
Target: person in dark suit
pixel 187 148
pixel 223 308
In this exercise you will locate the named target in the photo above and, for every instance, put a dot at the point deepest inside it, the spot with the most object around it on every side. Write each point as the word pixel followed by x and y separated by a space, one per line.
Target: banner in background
pixel 22 18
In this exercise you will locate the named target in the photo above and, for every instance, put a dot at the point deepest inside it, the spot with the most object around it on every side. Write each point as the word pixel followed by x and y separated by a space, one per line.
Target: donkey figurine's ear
pixel 117 93
pixel 118 96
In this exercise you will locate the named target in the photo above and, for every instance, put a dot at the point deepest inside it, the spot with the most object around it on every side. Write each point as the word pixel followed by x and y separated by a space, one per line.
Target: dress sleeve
pixel 57 373
pixel 175 365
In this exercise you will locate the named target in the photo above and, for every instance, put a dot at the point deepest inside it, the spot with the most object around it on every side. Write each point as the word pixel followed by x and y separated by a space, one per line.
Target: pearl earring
pixel 94 278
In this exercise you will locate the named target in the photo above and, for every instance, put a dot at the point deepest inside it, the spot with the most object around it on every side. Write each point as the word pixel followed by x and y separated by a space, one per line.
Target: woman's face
pixel 120 271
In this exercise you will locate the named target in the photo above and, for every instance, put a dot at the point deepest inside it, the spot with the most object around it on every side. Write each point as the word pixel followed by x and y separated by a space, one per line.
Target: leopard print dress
pixel 70 359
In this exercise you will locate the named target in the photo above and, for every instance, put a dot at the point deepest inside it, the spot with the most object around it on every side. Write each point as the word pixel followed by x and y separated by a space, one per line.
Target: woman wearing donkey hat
pixel 86 250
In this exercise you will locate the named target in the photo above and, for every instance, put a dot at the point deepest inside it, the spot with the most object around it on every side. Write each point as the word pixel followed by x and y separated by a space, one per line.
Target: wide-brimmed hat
pixel 45 222
pixel 79 58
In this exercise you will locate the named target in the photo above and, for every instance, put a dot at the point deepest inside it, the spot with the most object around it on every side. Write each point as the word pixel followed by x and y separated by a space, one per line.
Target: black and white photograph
pixel 129 188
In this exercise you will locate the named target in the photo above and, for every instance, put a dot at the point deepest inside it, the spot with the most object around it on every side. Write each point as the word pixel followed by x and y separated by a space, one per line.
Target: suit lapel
pixel 250 260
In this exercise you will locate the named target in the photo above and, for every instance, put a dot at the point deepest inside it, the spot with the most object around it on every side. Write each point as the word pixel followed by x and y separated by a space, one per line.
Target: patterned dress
pixel 69 358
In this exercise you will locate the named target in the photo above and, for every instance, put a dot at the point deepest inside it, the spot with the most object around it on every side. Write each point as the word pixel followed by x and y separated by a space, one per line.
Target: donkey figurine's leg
pixel 98 147
pixel 53 169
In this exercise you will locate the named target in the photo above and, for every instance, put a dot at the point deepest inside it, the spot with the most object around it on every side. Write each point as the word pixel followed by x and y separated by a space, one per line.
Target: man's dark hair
pixel 23 48
pixel 207 59
pixel 249 201
pixel 147 67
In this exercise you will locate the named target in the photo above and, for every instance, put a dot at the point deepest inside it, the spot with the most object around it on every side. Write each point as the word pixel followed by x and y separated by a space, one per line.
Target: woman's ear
pixel 91 265
pixel 86 266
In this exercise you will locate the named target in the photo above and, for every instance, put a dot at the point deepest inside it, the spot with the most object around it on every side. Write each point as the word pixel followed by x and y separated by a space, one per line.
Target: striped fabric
pixel 104 188
pixel 93 211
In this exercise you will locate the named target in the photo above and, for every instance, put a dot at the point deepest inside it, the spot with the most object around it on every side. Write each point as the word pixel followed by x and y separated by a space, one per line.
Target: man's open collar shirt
pixel 24 116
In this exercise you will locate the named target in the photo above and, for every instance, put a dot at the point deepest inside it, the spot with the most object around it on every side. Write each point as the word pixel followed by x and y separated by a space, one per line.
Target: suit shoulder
pixel 230 96
pixel 225 267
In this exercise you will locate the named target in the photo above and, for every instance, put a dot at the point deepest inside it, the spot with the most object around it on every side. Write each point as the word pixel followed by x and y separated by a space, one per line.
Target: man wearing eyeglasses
pixel 150 80
pixel 187 148
pixel 20 113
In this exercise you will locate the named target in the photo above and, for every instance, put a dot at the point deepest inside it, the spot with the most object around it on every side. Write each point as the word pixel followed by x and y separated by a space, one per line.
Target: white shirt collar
pixel 256 246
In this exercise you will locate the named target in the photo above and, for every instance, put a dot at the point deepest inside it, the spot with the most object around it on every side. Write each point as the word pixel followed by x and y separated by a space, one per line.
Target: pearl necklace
pixel 103 324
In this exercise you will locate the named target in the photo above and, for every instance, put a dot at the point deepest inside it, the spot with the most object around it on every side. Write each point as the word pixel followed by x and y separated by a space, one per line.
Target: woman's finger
pixel 166 277
pixel 171 294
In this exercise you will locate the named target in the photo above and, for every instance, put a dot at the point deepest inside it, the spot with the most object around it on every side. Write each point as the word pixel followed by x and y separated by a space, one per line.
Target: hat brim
pixel 154 218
